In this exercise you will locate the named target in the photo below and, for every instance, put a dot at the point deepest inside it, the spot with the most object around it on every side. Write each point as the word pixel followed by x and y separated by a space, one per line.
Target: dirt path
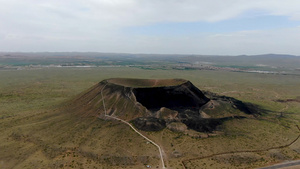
pixel 284 109
pixel 123 121
pixel 295 163
pixel 242 151
pixel 155 83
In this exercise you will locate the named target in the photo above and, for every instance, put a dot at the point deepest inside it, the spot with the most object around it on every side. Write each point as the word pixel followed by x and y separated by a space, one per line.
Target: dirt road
pixel 123 121
pixel 286 165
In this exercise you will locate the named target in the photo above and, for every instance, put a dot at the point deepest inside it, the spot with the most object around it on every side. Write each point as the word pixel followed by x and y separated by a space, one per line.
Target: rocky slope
pixel 153 104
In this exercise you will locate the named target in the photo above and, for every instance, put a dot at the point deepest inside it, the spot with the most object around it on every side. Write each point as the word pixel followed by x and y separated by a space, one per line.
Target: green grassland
pixel 37 133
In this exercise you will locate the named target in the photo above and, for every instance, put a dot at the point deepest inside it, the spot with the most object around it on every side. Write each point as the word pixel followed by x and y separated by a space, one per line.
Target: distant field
pixel 268 63
pixel 36 133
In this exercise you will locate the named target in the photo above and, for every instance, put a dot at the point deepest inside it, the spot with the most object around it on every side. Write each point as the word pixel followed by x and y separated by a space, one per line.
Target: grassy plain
pixel 37 133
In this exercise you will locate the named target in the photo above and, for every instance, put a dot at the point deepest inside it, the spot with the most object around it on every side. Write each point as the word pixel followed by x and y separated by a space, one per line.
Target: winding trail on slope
pixel 116 118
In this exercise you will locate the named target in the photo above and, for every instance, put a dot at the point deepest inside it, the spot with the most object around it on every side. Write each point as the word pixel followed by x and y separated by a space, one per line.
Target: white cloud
pixel 94 25
pixel 137 12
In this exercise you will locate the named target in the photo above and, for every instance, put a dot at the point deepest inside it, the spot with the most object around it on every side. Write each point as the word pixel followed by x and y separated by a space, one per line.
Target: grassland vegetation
pixel 36 132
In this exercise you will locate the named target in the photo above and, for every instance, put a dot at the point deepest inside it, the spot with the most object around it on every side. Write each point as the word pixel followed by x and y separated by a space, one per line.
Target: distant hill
pixel 265 62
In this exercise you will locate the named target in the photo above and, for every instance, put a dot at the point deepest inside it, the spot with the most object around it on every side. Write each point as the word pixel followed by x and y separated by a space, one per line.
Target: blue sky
pixel 221 27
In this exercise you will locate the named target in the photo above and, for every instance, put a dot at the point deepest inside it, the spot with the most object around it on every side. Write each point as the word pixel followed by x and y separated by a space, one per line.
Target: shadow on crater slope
pixel 183 96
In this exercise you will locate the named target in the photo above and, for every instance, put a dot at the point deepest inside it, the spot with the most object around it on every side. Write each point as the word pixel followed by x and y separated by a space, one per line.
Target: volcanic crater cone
pixel 153 104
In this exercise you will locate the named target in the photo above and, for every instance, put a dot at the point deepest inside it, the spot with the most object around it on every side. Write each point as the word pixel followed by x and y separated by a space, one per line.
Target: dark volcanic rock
pixel 207 125
pixel 203 125
pixel 177 127
pixel 149 123
pixel 183 96
pixel 247 108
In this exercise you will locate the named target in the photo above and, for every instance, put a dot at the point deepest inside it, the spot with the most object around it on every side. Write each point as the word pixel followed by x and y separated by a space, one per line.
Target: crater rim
pixel 146 83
